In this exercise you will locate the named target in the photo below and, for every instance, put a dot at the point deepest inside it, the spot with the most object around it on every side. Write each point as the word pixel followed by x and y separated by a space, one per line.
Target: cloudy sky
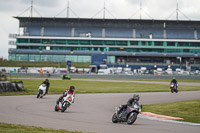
pixel 156 9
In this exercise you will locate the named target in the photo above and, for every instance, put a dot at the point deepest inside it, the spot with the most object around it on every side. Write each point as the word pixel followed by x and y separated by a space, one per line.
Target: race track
pixel 91 113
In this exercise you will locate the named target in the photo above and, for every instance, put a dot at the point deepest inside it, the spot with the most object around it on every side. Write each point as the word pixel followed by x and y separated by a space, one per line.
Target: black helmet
pixel 72 88
pixel 136 97
pixel 46 80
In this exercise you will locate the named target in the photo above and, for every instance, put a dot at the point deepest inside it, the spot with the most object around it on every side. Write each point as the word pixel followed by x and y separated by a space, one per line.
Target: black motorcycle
pixel 128 114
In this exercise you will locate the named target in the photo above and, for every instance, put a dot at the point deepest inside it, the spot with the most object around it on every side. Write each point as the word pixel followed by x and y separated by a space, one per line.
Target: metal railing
pixel 12 36
pixel 12 42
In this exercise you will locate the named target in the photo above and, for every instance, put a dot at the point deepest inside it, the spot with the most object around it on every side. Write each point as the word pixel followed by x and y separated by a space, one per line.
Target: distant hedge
pixel 41 64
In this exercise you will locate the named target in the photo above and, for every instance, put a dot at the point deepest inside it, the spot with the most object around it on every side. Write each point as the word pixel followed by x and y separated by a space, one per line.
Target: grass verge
pixel 189 110
pixel 11 128
pixel 58 86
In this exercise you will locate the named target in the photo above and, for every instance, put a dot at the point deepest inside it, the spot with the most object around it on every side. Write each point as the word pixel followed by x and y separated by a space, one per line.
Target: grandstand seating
pixel 119 32
pixel 180 33
pixel 82 31
pixel 198 33
pixel 157 33
pixel 146 32
pixel 57 31
pixel 34 30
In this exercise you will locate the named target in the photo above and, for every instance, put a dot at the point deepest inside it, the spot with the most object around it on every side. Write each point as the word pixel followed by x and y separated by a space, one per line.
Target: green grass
pixel 189 110
pixel 159 80
pixel 11 128
pixel 41 64
pixel 165 80
pixel 58 86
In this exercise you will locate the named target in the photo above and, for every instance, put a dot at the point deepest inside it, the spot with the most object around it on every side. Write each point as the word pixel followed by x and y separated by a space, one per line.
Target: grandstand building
pixel 124 41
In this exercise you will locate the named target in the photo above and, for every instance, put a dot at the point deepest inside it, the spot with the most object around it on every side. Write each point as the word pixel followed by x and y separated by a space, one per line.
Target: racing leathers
pixel 46 82
pixel 129 103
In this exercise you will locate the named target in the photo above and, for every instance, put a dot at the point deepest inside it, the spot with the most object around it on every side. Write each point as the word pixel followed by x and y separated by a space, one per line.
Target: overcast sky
pixel 156 9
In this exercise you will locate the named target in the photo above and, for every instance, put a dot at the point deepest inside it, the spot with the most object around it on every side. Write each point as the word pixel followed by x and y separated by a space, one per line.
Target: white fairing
pixel 69 98
pixel 172 84
pixel 43 88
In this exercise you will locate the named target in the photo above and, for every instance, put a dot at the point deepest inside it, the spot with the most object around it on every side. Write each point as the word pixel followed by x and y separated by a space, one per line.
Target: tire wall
pixel 7 86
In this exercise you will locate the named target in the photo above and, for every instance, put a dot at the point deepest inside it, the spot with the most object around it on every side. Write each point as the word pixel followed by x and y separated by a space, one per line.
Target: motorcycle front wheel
pixel 64 107
pixel 114 118
pixel 132 118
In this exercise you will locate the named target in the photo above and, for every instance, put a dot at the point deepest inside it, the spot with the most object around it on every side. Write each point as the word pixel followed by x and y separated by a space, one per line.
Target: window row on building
pixel 54 58
pixel 107 42
pixel 104 49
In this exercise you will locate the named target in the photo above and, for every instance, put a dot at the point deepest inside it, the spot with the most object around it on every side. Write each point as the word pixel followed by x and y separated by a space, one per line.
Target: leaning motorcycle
pixel 128 115
pixel 173 87
pixel 64 103
pixel 41 91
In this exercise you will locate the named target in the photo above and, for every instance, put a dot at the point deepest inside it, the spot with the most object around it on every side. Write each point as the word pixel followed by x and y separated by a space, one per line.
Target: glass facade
pixel 55 58
pixel 108 45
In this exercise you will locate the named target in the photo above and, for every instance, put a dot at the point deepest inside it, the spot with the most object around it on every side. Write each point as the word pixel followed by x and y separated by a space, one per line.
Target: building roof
pixel 105 22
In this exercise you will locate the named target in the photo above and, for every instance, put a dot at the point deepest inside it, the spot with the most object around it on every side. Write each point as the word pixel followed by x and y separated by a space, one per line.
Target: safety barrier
pixel 8 86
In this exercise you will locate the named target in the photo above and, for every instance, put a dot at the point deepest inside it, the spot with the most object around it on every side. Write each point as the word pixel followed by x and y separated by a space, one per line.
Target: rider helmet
pixel 136 97
pixel 72 88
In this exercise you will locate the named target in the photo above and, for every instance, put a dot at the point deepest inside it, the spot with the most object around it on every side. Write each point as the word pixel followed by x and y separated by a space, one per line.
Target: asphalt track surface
pixel 91 113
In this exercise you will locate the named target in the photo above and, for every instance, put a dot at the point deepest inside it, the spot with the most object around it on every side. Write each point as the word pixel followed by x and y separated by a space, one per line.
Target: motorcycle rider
pixel 46 82
pixel 70 91
pixel 175 82
pixel 133 100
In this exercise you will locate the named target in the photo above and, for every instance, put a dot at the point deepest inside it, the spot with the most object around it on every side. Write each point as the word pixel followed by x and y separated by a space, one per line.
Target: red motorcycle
pixel 174 87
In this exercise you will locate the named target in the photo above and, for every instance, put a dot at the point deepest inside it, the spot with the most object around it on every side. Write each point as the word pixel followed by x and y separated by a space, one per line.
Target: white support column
pixel 195 34
pixel 165 34
pixel 73 32
pixel 134 33
pixel 103 32
pixel 42 31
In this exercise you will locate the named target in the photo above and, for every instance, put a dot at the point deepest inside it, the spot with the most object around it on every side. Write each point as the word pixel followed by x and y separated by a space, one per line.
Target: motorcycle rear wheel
pixel 131 119
pixel 56 109
pixel 114 118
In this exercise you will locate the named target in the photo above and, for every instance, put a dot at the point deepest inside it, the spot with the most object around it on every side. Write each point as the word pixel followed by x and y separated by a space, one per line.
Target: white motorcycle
pixel 64 103
pixel 41 91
